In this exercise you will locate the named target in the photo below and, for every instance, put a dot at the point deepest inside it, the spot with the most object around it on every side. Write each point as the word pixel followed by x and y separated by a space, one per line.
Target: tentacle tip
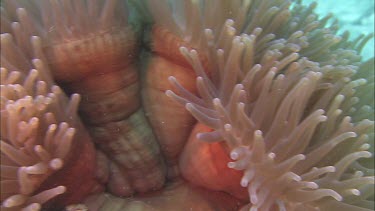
pixel 193 52
pixel 208 30
pixel 38 148
pixel 189 106
pixel 365 147
pixel 34 38
pixel 231 165
pixel 241 105
pixel 244 183
pixel 228 127
pixel 338 197
pixel 229 22
pixel 271 155
pixel 36 61
pixel 331 169
pixel 172 79
pixel 199 136
pixel 76 95
pixel 358 174
pixel 353 134
pixel 313 185
pixel 234 155
pixel 254 199
pixel 363 81
pixel 216 101
pixel 301 157
pixel 355 192
pixel 35 206
pixel 183 49
pixel 240 86
pixel 297 178
pixel 56 164
pixel 5 37
pixel 20 10
pixel 220 51
pixel 169 93
pixel 258 133
pixel 34 72
pixel 322 118
pixel 61 189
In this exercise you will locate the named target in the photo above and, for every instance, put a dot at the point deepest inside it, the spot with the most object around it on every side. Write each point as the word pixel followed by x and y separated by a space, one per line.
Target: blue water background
pixel 356 16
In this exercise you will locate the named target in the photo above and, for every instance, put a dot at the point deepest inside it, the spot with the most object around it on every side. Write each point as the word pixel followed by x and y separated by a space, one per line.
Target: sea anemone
pixel 267 99
pixel 41 135
pixel 82 53
pixel 284 107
